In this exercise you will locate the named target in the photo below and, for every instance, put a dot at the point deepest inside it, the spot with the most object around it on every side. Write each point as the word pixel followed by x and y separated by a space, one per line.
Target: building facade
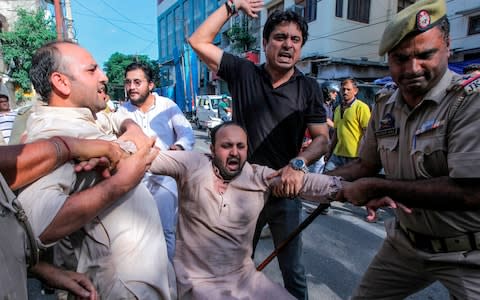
pixel 464 16
pixel 344 36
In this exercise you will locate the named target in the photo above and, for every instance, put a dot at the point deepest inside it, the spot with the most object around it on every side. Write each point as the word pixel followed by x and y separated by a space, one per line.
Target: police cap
pixel 414 19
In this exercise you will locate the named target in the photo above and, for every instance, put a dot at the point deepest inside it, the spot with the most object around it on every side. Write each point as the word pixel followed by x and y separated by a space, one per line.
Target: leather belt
pixel 465 242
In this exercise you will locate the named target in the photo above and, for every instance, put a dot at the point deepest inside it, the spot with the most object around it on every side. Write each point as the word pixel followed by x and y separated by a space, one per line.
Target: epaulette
pixel 469 84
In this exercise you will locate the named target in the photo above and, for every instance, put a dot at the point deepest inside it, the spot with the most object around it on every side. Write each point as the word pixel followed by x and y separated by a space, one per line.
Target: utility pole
pixel 69 20
pixel 58 19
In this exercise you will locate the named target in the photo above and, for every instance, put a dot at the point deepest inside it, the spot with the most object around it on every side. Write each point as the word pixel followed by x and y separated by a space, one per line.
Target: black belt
pixel 465 242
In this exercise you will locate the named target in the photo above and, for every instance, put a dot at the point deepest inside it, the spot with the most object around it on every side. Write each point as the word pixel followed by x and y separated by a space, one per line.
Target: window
pixel 197 13
pixel 178 16
pixel 163 37
pixel 307 8
pixel 474 25
pixel 359 10
pixel 187 17
pixel 339 9
pixel 404 3
pixel 170 34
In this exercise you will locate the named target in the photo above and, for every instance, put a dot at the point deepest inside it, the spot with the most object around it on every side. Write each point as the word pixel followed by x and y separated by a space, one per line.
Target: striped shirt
pixel 6 124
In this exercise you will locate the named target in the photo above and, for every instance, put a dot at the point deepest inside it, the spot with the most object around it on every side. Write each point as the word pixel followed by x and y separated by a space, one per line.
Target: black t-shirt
pixel 275 119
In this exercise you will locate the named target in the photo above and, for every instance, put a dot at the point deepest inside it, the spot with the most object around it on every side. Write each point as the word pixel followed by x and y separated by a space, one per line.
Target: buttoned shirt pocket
pixel 388 149
pixel 429 152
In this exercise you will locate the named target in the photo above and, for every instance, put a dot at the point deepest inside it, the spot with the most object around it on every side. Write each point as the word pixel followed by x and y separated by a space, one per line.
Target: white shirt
pixel 6 124
pixel 163 120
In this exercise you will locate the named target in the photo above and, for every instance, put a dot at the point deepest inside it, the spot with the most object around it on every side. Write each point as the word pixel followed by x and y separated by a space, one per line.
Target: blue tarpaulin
pixel 457 67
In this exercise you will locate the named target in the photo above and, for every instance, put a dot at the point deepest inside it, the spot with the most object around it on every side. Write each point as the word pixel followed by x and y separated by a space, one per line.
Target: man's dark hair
pixel 444 26
pixel 471 68
pixel 46 60
pixel 279 16
pixel 213 132
pixel 142 66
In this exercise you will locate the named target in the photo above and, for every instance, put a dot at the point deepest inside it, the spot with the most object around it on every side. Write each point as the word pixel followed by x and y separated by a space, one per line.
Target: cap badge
pixel 423 20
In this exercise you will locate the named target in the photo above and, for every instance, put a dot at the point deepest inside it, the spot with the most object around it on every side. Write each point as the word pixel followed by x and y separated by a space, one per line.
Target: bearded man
pixel 220 198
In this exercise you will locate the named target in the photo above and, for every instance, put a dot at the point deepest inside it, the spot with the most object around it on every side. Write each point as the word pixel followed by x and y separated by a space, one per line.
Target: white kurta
pixel 165 121
pixel 215 231
pixel 123 249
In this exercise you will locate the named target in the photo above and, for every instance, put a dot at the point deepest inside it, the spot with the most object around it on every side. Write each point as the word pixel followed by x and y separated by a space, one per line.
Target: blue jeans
pixel 337 161
pixel 283 217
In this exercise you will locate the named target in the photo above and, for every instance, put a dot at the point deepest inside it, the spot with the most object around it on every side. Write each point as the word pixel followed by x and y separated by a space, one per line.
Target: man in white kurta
pixel 217 218
pixel 160 117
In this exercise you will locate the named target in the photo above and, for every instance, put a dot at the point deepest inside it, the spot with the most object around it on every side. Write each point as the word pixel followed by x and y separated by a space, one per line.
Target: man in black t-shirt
pixel 275 102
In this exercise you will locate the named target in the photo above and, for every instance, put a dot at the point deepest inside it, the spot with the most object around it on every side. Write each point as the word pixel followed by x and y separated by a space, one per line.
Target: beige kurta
pixel 123 249
pixel 215 231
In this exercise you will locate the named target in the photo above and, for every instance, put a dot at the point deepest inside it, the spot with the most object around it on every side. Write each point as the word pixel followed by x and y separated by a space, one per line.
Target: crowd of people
pixel 115 204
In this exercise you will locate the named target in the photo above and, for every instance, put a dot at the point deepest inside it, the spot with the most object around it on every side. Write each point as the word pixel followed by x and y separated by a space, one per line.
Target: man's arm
pixel 440 193
pixel 292 180
pixel 129 130
pixel 185 139
pixel 82 207
pixel 23 164
pixel 76 283
pixel 319 144
pixel 202 39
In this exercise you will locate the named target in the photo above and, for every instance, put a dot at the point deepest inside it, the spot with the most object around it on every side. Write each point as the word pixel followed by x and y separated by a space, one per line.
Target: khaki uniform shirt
pixel 123 249
pixel 215 231
pixel 13 245
pixel 424 142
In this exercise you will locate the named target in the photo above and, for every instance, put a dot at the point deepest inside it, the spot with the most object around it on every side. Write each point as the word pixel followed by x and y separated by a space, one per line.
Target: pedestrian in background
pixel 351 119
pixel 426 138
pixel 275 103
pixel 7 117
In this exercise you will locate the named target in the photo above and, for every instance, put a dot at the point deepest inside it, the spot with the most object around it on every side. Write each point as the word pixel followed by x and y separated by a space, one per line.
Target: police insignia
pixel 423 20
pixel 387 126
pixel 472 85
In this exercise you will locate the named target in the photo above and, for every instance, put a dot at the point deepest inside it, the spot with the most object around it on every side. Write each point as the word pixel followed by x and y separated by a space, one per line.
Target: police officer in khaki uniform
pixel 426 138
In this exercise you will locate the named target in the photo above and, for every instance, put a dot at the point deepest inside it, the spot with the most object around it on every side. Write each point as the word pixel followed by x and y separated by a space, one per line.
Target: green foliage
pixel 31 30
pixel 115 71
pixel 241 39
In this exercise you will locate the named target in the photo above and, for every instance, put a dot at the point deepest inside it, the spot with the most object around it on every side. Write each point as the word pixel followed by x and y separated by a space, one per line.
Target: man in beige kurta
pixel 217 218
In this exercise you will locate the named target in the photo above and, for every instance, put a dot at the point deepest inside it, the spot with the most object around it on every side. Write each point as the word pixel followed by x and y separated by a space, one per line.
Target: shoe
pixel 266 233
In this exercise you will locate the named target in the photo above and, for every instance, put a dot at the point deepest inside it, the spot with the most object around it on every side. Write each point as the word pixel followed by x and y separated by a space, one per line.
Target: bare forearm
pixel 205 34
pixel 23 164
pixel 315 150
pixel 354 170
pixel 441 193
pixel 80 208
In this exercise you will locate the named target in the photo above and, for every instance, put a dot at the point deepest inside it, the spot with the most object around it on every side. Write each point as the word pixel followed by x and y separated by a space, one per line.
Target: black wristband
pixel 229 9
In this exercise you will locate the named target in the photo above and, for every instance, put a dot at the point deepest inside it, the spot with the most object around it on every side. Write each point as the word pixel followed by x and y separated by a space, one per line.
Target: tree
pixel 31 30
pixel 240 37
pixel 115 70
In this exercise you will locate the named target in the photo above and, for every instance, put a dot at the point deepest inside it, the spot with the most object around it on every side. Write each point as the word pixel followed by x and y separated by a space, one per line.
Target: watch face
pixel 298 164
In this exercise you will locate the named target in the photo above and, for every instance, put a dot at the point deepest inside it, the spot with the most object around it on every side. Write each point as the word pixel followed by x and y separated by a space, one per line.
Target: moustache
pixel 235 159
pixel 409 76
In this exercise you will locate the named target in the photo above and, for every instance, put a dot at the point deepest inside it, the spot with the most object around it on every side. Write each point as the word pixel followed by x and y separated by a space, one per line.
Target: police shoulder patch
pixel 472 85
pixel 468 83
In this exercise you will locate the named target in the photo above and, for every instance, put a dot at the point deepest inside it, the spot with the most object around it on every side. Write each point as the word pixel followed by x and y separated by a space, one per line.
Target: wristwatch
pixel 299 164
